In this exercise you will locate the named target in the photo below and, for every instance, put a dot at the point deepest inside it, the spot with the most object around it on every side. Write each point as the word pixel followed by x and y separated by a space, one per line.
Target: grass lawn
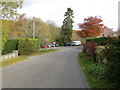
pixel 93 82
pixel 24 57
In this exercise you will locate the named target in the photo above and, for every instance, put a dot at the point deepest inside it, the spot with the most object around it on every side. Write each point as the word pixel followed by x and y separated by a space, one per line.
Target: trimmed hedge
pixel 10 45
pixel 28 46
pixel 102 41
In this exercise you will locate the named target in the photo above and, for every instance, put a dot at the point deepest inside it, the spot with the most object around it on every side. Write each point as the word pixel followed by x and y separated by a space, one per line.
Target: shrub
pixel 113 73
pixel 97 70
pixel 89 48
pixel 113 66
pixel 100 54
pixel 113 50
pixel 10 45
pixel 88 66
pixel 28 46
pixel 102 41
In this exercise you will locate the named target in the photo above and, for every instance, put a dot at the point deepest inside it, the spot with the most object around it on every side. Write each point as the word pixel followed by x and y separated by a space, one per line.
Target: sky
pixel 54 10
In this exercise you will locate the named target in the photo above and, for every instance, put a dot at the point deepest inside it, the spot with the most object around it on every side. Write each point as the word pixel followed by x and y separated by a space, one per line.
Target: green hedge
pixel 110 54
pixel 28 46
pixel 102 41
pixel 100 54
pixel 10 45
pixel 113 66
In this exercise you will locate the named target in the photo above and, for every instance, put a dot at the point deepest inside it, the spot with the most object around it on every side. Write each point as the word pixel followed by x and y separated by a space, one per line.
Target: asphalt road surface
pixel 59 69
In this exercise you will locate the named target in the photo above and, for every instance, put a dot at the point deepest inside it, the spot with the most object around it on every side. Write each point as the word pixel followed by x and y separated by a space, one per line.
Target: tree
pixel 5 29
pixel 8 9
pixel 54 30
pixel 22 27
pixel 28 28
pixel 4 33
pixel 66 32
pixel 17 26
pixel 91 27
pixel 42 31
pixel 75 36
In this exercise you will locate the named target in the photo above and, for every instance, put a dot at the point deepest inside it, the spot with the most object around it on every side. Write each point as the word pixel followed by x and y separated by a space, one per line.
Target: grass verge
pixel 93 82
pixel 24 57
pixel 43 52
pixel 12 61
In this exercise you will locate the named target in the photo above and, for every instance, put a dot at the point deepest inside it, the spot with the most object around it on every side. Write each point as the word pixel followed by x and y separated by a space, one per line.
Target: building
pixel 115 34
pixel 107 32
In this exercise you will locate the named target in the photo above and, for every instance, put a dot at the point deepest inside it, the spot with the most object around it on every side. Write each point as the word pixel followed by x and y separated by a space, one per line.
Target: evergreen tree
pixel 66 32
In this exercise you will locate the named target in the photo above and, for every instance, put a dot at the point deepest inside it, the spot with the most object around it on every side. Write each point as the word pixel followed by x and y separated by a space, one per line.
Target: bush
pixel 102 41
pixel 111 53
pixel 88 66
pixel 10 45
pixel 28 46
pixel 100 54
pixel 113 73
pixel 97 70
pixel 113 66
pixel 89 48
pixel 113 50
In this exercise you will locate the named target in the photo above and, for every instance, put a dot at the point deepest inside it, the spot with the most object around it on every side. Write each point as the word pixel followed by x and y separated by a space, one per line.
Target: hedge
pixel 102 41
pixel 10 45
pixel 113 66
pixel 100 54
pixel 28 46
pixel 110 54
pixel 89 49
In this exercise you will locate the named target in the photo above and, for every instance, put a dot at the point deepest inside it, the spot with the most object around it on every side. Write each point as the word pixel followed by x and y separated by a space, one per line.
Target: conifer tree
pixel 66 32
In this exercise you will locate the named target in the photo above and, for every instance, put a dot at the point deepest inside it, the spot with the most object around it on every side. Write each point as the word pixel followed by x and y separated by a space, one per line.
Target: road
pixel 59 69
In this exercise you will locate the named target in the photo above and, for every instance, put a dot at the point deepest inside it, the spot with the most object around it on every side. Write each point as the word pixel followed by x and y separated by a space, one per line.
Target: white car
pixel 76 43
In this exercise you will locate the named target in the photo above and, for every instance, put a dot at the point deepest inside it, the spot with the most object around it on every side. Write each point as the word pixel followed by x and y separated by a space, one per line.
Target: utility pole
pixel 33 27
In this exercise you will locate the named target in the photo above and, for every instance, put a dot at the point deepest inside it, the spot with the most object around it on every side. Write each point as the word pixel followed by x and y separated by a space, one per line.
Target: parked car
pixel 49 45
pixel 44 46
pixel 53 45
pixel 76 43
pixel 57 45
pixel 68 44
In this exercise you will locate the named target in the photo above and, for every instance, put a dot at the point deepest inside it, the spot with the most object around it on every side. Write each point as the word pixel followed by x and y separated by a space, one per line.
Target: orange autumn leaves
pixel 14 29
pixel 91 27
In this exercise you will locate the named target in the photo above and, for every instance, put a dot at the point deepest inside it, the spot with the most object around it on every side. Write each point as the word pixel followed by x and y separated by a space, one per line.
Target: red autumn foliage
pixel 91 27
pixel 89 49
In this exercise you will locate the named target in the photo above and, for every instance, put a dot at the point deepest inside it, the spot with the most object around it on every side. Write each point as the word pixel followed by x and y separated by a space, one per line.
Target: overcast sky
pixel 54 10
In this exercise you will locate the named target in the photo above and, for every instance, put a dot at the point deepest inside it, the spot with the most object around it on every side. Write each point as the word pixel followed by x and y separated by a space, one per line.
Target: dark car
pixel 68 44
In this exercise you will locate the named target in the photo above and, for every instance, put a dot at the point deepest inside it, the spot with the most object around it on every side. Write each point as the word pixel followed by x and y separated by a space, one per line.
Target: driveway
pixel 59 69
